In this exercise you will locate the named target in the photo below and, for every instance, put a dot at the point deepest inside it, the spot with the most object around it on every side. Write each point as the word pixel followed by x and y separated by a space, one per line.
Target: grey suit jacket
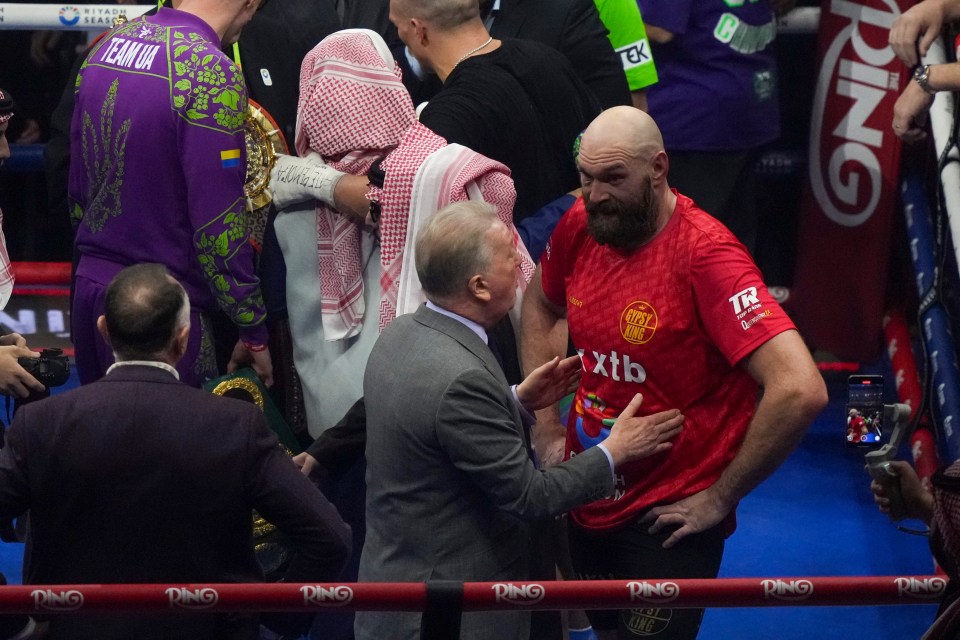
pixel 449 477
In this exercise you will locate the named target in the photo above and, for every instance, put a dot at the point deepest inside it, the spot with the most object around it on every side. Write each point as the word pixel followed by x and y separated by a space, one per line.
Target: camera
pixel 52 368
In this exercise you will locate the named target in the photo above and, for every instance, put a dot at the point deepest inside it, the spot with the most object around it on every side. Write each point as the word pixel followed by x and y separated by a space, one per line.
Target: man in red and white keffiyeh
pixel 14 379
pixel 356 118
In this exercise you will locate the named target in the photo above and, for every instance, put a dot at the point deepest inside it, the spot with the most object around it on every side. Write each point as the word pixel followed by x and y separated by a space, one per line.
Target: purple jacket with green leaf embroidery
pixel 158 161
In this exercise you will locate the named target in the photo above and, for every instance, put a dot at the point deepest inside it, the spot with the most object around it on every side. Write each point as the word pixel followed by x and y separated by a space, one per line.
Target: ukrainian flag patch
pixel 230 158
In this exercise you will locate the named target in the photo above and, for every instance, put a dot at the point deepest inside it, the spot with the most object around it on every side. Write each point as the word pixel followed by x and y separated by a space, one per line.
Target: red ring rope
pixel 478 596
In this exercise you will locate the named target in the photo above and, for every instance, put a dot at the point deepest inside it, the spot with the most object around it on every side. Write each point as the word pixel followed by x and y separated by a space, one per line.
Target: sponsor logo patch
pixel 638 322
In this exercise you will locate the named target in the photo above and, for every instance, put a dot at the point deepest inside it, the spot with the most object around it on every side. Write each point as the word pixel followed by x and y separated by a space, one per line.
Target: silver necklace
pixel 473 51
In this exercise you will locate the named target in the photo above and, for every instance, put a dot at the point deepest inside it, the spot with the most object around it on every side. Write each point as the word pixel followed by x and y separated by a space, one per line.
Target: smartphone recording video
pixel 864 410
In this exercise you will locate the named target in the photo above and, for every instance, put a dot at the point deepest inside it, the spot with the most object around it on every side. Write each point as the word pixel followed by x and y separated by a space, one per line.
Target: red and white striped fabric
pixel 353 110
pixel 6 273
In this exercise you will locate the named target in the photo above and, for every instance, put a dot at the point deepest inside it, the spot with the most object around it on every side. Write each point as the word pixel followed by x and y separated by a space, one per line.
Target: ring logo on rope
pixel 318 596
pixel 192 598
pixel 787 589
pixel 656 592
pixel 525 594
pixel 57 600
pixel 926 589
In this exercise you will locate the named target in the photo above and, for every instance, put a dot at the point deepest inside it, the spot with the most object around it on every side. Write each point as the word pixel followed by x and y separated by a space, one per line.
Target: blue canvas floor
pixel 813 517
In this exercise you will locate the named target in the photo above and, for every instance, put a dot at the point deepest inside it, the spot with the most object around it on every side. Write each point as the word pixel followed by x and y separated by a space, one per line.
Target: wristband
pixel 254 348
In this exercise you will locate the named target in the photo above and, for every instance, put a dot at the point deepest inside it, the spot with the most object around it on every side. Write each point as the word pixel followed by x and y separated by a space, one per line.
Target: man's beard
pixel 624 225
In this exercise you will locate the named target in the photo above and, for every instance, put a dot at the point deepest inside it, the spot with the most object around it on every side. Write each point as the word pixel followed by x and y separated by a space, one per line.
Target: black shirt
pixel 523 105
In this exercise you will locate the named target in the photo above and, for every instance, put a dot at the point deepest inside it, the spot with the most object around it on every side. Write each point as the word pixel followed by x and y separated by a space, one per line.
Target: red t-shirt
pixel 671 321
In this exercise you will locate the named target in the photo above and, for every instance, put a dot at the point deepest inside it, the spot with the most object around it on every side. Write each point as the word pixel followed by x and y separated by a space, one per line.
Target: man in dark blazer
pixel 139 478
pixel 450 479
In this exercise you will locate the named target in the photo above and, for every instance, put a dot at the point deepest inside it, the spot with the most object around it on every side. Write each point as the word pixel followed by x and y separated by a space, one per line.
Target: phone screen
pixel 864 410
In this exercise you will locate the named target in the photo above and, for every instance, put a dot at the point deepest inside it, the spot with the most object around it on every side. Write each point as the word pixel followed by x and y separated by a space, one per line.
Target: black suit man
pixel 450 480
pixel 139 478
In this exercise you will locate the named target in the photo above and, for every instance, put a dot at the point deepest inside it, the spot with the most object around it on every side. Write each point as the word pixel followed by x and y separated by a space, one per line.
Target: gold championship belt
pixel 264 141
pixel 273 549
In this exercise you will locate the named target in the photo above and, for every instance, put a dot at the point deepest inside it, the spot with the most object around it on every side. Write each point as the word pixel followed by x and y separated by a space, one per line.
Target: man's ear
pixel 102 328
pixel 180 340
pixel 421 29
pixel 659 166
pixel 478 288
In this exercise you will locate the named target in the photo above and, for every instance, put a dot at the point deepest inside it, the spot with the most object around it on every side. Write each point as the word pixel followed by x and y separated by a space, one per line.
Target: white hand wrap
pixel 294 179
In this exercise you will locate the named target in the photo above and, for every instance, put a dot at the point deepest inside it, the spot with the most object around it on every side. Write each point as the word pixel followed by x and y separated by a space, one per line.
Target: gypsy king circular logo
pixel 638 322
pixel 646 622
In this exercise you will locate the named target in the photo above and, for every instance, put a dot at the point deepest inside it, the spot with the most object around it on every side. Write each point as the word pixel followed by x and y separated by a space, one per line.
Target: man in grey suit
pixel 450 479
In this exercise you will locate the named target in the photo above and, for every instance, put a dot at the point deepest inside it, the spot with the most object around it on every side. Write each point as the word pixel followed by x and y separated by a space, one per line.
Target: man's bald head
pixel 623 131
pixel 623 172
pixel 144 310
pixel 442 14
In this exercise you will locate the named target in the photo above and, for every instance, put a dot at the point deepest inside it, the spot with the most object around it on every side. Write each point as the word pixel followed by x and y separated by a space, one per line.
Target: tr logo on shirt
pixel 744 300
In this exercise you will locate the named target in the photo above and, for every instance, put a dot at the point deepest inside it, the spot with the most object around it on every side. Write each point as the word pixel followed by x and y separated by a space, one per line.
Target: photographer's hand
pixel 14 339
pixel 917 500
pixel 14 379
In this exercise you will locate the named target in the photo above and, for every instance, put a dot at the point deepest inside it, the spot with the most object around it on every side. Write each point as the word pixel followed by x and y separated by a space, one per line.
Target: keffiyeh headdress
pixel 354 110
